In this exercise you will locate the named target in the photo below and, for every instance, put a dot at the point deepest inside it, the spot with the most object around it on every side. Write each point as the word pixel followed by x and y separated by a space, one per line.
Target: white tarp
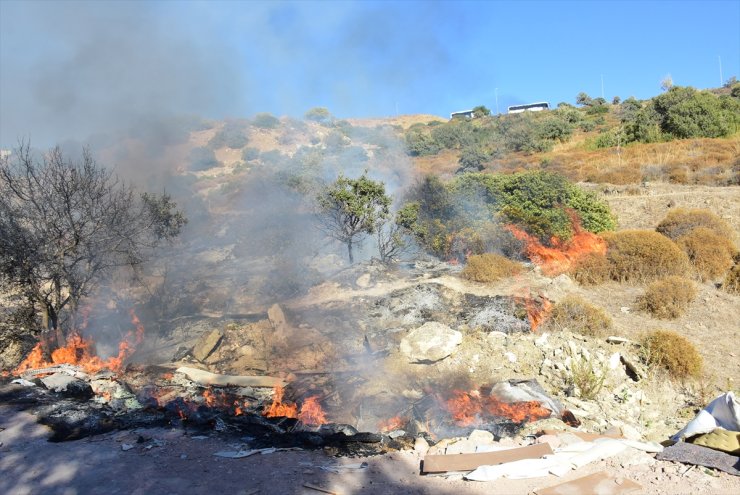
pixel 722 412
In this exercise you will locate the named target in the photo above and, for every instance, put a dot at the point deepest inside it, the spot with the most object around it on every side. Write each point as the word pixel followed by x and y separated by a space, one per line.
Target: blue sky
pixel 69 69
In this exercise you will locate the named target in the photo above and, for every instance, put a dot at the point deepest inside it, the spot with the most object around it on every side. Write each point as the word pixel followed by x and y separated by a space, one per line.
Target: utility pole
pixel 721 79
pixel 496 91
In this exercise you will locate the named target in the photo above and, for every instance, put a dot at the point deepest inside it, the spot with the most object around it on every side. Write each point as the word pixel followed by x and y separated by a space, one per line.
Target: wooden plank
pixel 207 378
pixel 468 462
pixel 601 483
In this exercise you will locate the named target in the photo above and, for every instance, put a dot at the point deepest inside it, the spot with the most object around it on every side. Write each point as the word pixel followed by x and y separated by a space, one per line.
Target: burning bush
pixel 668 298
pixel 681 221
pixel 580 316
pixel 591 269
pixel 673 352
pixel 709 252
pixel 490 267
pixel 643 255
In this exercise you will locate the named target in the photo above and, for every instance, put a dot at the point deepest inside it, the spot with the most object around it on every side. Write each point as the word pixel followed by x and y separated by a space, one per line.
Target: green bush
pixel 579 316
pixel 681 221
pixel 421 143
pixel 231 135
pixel 643 255
pixel 202 159
pixel 668 298
pixel 249 154
pixel 489 267
pixel 266 121
pixel 321 115
pixel 673 352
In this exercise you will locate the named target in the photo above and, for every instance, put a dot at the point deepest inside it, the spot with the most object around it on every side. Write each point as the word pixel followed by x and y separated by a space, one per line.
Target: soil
pixel 173 461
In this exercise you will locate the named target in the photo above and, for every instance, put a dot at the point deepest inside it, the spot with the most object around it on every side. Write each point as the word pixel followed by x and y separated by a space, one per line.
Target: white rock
pixel 421 445
pixel 624 309
pixel 481 437
pixel 542 340
pixel 430 342
pixel 614 361
pixel 363 281
pixel 510 356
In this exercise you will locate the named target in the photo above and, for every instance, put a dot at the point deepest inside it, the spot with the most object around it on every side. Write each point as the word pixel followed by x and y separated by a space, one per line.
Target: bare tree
pixel 64 224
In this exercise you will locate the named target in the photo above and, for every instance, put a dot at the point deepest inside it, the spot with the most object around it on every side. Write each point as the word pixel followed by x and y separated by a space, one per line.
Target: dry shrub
pixel 731 282
pixel 643 255
pixel 709 253
pixel 681 221
pixel 580 316
pixel 668 298
pixel 489 267
pixel 673 352
pixel 591 269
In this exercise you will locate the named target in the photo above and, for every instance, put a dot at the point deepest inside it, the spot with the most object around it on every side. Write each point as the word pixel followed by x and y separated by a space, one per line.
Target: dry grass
pixel 673 352
pixel 731 282
pixel 578 315
pixel 490 267
pixel 681 221
pixel 643 255
pixel 709 253
pixel 668 298
pixel 592 269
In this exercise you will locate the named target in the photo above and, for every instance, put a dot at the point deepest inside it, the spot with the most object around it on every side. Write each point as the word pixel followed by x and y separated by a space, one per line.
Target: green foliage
pixel 579 316
pixel 349 209
pixel 231 135
pixel 481 111
pixel 321 115
pixel 583 99
pixel 673 352
pixel 489 267
pixel 668 298
pixel 472 159
pixel 421 143
pixel 249 154
pixel 265 121
pixel 585 377
pixel 469 210
pixel 202 159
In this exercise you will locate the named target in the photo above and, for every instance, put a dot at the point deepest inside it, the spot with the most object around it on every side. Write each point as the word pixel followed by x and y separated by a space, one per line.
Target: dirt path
pixel 162 461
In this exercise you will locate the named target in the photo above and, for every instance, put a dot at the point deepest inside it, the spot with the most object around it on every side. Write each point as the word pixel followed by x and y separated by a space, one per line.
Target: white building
pixel 530 107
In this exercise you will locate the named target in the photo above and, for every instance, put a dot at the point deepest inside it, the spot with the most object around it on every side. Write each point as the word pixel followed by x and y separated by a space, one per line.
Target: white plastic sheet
pixel 722 412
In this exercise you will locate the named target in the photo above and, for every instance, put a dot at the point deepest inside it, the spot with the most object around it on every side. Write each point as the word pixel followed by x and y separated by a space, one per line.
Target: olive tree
pixel 350 209
pixel 65 224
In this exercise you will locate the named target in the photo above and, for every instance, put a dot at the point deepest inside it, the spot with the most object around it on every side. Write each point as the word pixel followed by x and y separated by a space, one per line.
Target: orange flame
pixel 394 423
pixel 311 412
pixel 277 408
pixel 563 254
pixel 538 309
pixel 471 409
pixel 79 352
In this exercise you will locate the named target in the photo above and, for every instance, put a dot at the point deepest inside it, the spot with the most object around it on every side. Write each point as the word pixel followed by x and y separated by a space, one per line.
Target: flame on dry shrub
pixel 538 309
pixel 563 254
pixel 394 423
pixel 79 352
pixel 471 409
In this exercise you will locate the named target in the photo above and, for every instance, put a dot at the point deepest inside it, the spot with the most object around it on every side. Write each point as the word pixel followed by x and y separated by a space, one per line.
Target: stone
pixel 207 344
pixel 624 309
pixel 614 361
pixel 276 316
pixel 510 356
pixel 430 343
pixel 68 386
pixel 541 341
pixel 613 339
pixel 421 445
pixel 481 437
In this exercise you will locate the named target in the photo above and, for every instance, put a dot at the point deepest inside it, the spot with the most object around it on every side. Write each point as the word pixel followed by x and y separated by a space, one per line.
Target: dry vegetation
pixel 490 267
pixel 579 316
pixel 668 298
pixel 673 352
pixel 710 254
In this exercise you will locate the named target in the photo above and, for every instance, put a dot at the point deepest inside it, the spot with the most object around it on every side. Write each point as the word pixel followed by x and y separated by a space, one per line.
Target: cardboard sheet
pixel 468 462
pixel 601 483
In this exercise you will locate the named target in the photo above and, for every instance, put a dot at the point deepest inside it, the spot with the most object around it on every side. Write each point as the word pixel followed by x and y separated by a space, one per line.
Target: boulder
pixel 430 342
pixel 207 344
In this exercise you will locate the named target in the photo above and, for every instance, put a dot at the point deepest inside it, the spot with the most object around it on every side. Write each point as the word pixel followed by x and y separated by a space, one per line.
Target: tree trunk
pixel 349 251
